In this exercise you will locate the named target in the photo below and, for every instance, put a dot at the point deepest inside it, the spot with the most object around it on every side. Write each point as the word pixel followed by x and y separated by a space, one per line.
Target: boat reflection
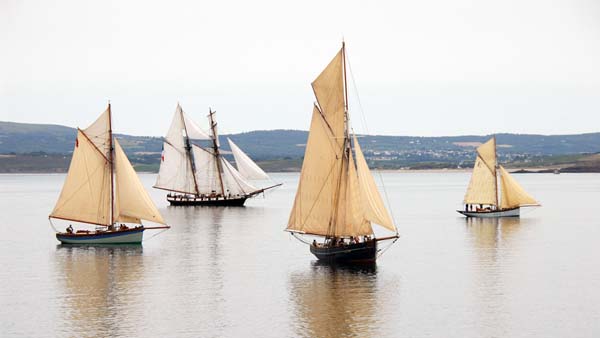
pixel 334 300
pixel 99 287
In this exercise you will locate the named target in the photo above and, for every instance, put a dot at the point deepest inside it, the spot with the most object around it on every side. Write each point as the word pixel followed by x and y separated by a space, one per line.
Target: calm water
pixel 233 271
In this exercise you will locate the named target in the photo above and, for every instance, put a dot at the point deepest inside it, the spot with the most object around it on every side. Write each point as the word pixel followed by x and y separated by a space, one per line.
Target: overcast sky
pixel 434 67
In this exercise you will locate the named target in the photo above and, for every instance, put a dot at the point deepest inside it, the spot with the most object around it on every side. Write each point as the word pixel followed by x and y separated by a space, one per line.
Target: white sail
pixel 86 193
pixel 175 172
pixel 513 195
pixel 207 176
pixel 233 182
pixel 246 167
pixel 132 202
pixel 193 130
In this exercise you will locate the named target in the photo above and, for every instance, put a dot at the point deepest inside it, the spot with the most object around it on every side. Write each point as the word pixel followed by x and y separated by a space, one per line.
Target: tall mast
pixel 112 165
pixel 213 128
pixel 188 150
pixel 496 171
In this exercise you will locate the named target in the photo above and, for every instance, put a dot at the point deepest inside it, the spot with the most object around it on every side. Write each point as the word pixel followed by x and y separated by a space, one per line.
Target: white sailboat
pixel 482 197
pixel 337 199
pixel 196 175
pixel 102 189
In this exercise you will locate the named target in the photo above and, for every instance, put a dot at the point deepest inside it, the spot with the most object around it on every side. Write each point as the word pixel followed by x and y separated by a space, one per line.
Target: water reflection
pixel 334 300
pixel 99 287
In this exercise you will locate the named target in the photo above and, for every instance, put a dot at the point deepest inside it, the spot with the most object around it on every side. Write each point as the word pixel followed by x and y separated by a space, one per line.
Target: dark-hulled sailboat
pixel 102 189
pixel 481 199
pixel 196 175
pixel 337 199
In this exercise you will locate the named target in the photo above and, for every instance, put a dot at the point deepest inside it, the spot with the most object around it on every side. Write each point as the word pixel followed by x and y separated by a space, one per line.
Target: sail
pixel 247 168
pixel 329 90
pixel 375 210
pixel 233 182
pixel 175 172
pixel 99 133
pixel 350 220
pixel 314 203
pixel 207 175
pixel 193 130
pixel 132 202
pixel 487 152
pixel 513 195
pixel 86 193
pixel 482 187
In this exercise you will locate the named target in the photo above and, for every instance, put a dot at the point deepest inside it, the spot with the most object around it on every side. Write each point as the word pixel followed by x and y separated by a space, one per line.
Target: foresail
pixel 233 182
pixel 375 210
pixel 246 167
pixel 329 90
pixel 175 172
pixel 132 202
pixel 85 196
pixel 513 195
pixel 207 176
pixel 314 205
pixel 482 187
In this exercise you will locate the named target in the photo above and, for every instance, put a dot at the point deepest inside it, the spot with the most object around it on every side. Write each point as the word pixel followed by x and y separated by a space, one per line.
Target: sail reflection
pixel 99 287
pixel 335 300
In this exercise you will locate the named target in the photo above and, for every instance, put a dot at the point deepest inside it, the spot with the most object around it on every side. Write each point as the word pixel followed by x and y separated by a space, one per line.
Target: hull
pixel 131 236
pixel 515 212
pixel 217 202
pixel 352 253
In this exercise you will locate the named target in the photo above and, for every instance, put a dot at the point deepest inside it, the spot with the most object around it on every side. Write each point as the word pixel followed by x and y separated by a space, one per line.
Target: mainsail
pixel 336 196
pixel 483 187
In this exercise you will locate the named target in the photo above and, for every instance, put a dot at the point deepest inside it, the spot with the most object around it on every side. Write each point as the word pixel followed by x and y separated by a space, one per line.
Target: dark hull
pixel 229 202
pixel 130 236
pixel 353 253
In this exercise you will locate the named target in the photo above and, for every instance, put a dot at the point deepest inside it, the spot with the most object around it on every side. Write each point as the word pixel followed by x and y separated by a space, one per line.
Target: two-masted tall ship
pixel 197 175
pixel 102 189
pixel 337 199
pixel 484 198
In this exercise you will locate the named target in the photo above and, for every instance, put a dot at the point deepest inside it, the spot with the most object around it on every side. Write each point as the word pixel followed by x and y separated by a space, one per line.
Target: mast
pixel 213 128
pixel 188 150
pixel 112 165
pixel 496 172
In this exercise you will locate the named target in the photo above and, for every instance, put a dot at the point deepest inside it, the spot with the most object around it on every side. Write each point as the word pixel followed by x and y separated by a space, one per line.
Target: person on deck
pixel 70 229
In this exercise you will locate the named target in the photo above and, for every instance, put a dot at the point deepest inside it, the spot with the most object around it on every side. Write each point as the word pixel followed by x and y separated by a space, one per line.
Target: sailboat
pixel 102 189
pixel 337 199
pixel 482 197
pixel 196 175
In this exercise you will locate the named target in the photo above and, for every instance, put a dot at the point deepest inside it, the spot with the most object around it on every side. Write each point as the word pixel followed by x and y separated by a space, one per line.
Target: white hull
pixel 492 214
pixel 125 238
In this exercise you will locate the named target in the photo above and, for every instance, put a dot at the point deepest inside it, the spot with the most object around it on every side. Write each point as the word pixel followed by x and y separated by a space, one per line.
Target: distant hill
pixel 284 149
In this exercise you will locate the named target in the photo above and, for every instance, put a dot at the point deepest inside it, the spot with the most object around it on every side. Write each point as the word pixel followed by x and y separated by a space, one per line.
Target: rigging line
pixel 156 234
pixel 382 251
pixel 364 120
pixel 52 224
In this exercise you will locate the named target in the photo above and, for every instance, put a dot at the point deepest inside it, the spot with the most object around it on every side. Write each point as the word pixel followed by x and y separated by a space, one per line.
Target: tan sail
pixel 375 210
pixel 321 169
pixel 85 196
pixel 329 90
pixel 482 187
pixel 132 202
pixel 99 133
pixel 513 195
pixel 487 152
